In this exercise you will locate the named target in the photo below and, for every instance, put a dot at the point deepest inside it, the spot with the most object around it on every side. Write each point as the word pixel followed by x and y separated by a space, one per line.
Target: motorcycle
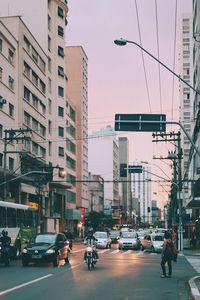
pixel 5 254
pixel 91 259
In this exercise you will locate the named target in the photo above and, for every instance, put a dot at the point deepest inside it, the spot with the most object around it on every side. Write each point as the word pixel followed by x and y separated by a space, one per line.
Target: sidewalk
pixel 194 282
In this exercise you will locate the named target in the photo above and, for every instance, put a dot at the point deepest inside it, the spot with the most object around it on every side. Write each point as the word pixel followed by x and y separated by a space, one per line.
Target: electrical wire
pixel 145 73
pixel 175 24
pixel 157 37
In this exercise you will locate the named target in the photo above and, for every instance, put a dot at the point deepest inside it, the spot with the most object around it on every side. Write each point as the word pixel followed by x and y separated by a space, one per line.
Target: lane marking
pixel 24 284
pixel 115 251
pixel 76 251
pixel 103 251
pixel 127 252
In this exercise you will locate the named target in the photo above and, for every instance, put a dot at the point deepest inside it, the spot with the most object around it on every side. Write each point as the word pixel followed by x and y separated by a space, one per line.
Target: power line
pixel 157 35
pixel 175 24
pixel 145 74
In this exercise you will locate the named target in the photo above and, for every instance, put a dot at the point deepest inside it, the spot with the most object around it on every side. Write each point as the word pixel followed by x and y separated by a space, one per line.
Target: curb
pixel 194 289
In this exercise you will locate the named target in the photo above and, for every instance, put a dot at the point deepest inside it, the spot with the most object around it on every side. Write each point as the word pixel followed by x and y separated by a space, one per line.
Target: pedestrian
pixel 169 253
pixel 193 239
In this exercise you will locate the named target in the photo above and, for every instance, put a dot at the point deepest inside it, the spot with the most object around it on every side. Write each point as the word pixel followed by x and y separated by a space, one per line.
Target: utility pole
pixel 175 137
pixel 10 136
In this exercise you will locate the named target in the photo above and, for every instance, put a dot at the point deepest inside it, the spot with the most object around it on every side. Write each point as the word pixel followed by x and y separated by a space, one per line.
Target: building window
pixel 71 163
pixel 60 131
pixel 50 148
pixel 49 23
pixel 1 45
pixel 11 110
pixel 42 87
pixel 10 56
pixel 27 69
pixel 1 73
pixel 60 31
pixel 42 65
pixel 49 43
pixel 49 64
pixel 27 94
pixel 34 55
pixel 61 51
pixel 34 78
pixel 11 164
pixel 27 119
pixel 61 71
pixel 11 82
pixel 60 91
pixel 1 159
pixel 27 44
pixel 35 101
pixel 60 111
pixel 42 108
pixel 1 131
pixel 60 151
pixel 49 106
pixel 42 130
pixel 49 127
pixel 34 124
pixel 49 85
pixel 35 148
pixel 43 152
pixel 60 12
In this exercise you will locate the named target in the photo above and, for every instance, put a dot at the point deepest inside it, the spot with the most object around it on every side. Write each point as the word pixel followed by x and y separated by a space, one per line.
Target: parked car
pixel 46 247
pixel 114 235
pixel 103 239
pixel 129 240
pixel 152 242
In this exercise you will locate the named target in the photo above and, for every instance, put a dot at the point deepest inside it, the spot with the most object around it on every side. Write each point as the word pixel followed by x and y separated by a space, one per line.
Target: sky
pixel 116 77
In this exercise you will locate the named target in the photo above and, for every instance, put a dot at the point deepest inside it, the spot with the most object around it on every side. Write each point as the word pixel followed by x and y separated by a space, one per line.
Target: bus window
pixel 20 218
pixel 11 217
pixel 3 217
pixel 28 218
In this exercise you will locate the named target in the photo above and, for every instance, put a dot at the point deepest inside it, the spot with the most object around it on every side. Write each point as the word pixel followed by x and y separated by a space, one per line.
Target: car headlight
pixel 133 242
pixel 120 242
pixel 50 251
pixel 24 251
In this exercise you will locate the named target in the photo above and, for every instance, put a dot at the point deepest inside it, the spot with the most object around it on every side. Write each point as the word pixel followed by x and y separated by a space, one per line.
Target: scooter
pixel 90 257
pixel 5 254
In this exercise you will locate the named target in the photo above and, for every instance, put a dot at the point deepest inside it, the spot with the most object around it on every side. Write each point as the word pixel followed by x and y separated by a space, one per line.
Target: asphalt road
pixel 119 275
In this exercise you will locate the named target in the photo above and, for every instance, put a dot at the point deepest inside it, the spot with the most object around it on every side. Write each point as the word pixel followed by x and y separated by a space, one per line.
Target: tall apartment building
pixel 46 109
pixel 103 159
pixel 186 95
pixel 77 90
pixel 125 194
pixel 141 189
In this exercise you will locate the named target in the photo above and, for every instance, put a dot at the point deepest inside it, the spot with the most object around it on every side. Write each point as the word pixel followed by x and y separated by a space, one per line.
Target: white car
pixel 152 242
pixel 103 239
pixel 129 240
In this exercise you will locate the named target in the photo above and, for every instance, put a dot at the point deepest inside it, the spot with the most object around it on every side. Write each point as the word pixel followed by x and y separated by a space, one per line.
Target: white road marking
pixel 24 284
pixel 103 251
pixel 76 251
pixel 115 251
pixel 194 261
pixel 127 252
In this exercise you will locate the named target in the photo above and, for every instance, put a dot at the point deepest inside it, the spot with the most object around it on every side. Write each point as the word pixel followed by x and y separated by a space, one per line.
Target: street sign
pixel 140 122
pixel 123 170
pixel 135 169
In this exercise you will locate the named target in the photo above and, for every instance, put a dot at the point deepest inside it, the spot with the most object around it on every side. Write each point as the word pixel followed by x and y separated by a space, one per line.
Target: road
pixel 119 275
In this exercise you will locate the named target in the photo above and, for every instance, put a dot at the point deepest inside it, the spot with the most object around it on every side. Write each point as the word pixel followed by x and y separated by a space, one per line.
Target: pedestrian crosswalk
pixel 123 252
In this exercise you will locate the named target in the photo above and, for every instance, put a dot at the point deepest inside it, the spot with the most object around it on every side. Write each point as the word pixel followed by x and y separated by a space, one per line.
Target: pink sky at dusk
pixel 115 74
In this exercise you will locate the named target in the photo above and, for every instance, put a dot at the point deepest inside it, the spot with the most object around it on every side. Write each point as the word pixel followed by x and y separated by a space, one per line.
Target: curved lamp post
pixel 123 42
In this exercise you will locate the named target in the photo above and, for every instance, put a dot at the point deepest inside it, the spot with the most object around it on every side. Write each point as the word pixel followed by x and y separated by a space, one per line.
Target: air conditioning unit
pixel 2 100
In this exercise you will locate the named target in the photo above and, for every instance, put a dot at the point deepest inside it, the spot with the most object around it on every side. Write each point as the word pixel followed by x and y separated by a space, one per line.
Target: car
pixel 46 247
pixel 129 240
pixel 114 236
pixel 103 239
pixel 152 242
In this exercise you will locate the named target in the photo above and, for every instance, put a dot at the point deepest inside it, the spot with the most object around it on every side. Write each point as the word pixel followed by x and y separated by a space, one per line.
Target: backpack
pixel 169 251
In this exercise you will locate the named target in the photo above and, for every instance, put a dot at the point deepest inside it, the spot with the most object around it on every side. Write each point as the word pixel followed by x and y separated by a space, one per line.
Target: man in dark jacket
pixel 167 255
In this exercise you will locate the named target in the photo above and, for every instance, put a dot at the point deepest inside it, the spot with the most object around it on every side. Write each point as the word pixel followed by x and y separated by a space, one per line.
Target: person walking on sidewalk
pixel 167 255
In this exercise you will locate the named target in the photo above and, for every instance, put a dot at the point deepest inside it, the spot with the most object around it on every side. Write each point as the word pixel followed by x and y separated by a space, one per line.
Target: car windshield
pixel 158 238
pixel 114 233
pixel 45 238
pixel 100 235
pixel 129 235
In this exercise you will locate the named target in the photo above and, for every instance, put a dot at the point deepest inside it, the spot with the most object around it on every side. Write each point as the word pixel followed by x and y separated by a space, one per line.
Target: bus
pixel 20 221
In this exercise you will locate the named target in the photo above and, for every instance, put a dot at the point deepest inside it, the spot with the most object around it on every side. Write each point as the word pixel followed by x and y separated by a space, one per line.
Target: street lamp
pixel 123 42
